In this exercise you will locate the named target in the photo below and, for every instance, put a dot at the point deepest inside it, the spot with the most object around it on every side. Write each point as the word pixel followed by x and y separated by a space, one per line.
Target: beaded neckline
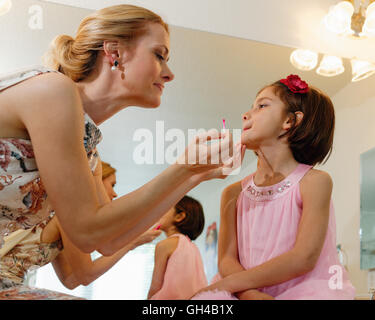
pixel 270 192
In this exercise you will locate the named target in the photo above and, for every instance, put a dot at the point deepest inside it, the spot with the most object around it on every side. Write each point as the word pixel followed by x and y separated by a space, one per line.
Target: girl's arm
pixel 163 251
pixel 228 260
pixel 316 189
pixel 54 120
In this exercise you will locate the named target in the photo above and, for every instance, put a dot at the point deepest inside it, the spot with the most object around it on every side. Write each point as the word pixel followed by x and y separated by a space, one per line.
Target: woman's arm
pixel 74 268
pixel 55 123
pixel 163 251
pixel 316 189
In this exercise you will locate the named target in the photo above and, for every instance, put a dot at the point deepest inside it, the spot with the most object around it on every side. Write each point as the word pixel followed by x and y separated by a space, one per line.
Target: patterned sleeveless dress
pixel 25 207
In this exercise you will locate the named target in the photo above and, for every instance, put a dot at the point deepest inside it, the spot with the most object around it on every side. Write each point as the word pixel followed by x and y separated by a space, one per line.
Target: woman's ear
pixel 111 48
pixel 179 216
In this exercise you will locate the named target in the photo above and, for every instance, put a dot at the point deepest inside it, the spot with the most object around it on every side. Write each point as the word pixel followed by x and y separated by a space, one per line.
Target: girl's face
pixel 145 69
pixel 109 184
pixel 265 121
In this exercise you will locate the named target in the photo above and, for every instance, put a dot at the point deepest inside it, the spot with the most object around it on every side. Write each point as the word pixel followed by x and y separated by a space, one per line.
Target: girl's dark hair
pixel 312 139
pixel 193 224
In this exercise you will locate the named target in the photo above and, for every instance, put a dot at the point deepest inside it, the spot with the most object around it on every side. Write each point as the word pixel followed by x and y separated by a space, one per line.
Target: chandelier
pixel 353 18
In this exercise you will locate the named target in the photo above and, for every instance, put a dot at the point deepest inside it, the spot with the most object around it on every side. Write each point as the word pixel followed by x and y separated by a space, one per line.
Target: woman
pixel 118 59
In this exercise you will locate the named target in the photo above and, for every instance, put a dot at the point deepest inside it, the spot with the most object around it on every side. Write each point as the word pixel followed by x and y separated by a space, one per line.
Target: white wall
pixel 355 134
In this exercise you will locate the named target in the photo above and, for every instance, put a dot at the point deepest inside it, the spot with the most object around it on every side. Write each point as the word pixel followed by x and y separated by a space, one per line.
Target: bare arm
pixel 54 121
pixel 74 268
pixel 163 251
pixel 316 189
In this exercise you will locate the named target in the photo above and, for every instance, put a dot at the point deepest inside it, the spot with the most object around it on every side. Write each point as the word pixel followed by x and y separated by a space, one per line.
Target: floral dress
pixel 25 208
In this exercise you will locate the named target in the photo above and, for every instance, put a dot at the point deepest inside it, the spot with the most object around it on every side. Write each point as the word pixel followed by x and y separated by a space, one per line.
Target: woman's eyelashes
pixel 159 56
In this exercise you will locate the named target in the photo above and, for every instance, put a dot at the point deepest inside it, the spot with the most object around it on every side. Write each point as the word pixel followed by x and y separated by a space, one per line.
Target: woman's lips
pixel 160 86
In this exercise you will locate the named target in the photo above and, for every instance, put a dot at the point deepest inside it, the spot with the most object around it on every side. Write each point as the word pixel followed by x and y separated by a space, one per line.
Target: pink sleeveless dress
pixel 184 274
pixel 267 226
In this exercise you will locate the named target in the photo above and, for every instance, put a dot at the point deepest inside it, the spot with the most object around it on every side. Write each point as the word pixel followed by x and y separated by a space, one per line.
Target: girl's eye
pixel 261 106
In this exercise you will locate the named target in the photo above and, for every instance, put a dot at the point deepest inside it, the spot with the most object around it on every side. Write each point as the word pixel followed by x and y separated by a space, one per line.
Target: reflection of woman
pixel 109 179
pixel 118 59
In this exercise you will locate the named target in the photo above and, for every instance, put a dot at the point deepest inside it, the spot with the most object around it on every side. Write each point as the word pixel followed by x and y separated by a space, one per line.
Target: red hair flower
pixel 295 84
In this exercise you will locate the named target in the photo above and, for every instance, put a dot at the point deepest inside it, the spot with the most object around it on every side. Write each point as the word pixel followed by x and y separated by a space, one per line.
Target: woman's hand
pixel 146 237
pixel 227 168
pixel 201 157
pixel 221 285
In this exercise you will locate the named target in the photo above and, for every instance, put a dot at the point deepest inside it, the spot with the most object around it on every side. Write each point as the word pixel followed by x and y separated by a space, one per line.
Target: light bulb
pixel 362 69
pixel 304 59
pixel 369 26
pixel 330 66
pixel 5 6
pixel 339 18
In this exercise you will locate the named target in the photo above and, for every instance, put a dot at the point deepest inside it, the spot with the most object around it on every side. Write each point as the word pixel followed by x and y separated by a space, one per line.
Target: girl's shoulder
pixel 316 180
pixel 167 246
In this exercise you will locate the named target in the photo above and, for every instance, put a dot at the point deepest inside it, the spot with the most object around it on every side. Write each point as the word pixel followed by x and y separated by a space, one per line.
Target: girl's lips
pixel 160 86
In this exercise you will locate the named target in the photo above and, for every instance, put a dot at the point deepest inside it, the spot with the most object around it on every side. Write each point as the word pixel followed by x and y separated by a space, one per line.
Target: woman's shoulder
pixel 233 189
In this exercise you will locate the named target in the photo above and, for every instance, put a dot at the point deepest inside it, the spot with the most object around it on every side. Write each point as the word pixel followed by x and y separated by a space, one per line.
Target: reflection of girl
pixel 49 134
pixel 210 256
pixel 178 271
pixel 277 231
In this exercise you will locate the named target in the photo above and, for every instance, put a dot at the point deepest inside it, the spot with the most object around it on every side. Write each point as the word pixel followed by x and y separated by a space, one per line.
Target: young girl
pixel 178 271
pixel 277 235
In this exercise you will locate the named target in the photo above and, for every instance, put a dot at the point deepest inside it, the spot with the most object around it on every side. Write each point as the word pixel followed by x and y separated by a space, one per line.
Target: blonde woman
pixel 49 165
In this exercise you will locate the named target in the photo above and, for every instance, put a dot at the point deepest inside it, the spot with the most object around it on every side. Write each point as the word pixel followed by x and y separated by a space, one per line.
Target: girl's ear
pixel 179 216
pixel 294 119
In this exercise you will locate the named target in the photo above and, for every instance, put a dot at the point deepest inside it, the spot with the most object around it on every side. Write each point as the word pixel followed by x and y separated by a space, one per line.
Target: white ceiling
pixel 291 23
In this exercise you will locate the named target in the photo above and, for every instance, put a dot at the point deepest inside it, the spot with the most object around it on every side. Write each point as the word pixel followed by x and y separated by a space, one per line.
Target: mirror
pixel 367 231
pixel 217 77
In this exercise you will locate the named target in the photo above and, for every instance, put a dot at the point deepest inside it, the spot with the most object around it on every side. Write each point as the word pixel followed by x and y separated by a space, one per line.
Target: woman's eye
pixel 261 106
pixel 159 56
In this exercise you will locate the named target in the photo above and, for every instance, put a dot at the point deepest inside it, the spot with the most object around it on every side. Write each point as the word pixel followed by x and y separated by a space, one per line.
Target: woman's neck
pixel 97 94
pixel 274 165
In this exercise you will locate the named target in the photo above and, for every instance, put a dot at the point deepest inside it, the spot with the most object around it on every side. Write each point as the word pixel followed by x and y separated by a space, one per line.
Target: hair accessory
pixel 224 124
pixel 115 65
pixel 158 227
pixel 295 84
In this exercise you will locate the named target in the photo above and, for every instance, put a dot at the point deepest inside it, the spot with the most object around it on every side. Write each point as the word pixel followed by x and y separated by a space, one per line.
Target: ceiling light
pixel 304 59
pixel 330 66
pixel 362 69
pixel 5 6
pixel 369 26
pixel 338 19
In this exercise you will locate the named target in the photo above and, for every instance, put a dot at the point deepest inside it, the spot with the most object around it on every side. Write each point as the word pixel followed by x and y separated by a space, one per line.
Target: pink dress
pixel 267 226
pixel 184 274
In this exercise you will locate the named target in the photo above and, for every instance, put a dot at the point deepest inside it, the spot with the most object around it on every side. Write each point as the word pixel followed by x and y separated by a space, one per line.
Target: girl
pixel 178 271
pixel 277 235
pixel 48 138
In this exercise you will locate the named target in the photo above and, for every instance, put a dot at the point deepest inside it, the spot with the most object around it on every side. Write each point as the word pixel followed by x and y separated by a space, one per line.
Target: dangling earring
pixel 115 65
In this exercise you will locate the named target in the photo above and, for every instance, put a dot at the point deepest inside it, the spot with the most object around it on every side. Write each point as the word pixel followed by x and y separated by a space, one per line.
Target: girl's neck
pixel 274 165
pixel 171 231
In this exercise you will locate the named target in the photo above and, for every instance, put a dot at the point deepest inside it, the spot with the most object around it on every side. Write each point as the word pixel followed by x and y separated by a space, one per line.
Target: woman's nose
pixel 168 74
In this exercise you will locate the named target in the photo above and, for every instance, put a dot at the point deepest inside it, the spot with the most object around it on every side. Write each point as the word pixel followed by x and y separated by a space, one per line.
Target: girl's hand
pixel 200 157
pixel 222 172
pixel 220 286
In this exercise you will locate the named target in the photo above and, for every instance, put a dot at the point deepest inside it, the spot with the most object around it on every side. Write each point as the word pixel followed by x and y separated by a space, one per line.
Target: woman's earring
pixel 115 65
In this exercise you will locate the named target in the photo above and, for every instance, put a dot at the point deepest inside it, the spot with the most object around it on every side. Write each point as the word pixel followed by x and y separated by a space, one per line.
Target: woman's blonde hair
pixel 107 170
pixel 76 57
